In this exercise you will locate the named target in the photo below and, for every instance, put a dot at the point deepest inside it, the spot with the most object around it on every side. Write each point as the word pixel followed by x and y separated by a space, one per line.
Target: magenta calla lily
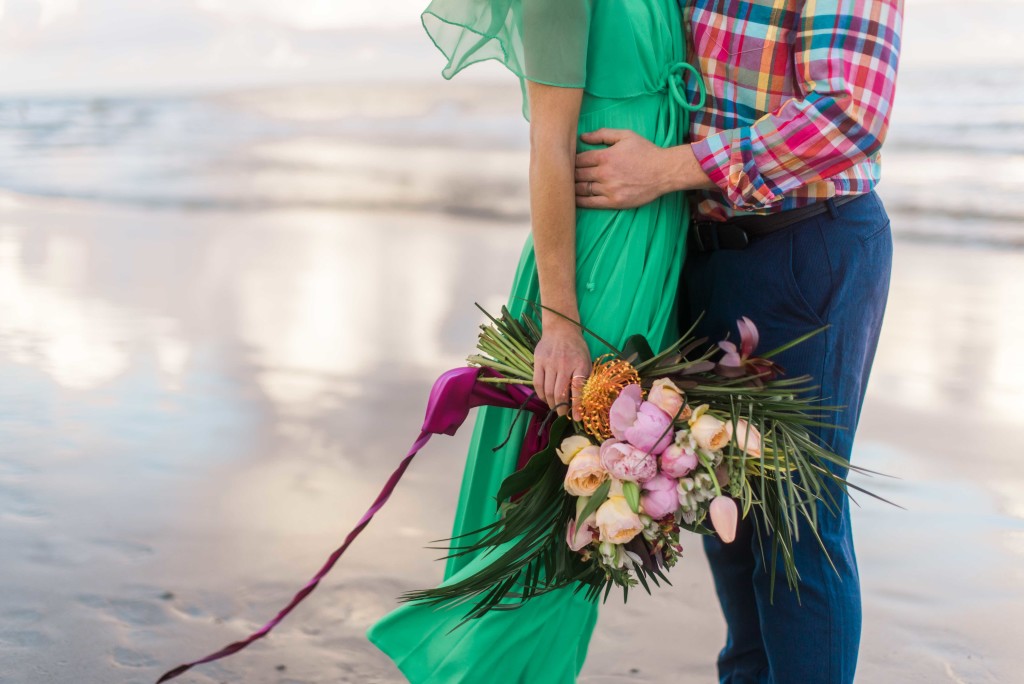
pixel 749 337
pixel 739 361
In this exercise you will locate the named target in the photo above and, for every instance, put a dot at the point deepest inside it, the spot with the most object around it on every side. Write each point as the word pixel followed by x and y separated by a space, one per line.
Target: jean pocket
pixel 809 271
pixel 882 224
pixel 882 229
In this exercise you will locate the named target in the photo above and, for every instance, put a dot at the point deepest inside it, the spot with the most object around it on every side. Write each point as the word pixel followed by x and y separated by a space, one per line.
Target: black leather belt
pixel 737 232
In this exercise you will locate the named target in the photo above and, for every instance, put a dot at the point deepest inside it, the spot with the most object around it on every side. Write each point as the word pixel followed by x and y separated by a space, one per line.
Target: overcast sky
pixel 85 45
pixel 108 46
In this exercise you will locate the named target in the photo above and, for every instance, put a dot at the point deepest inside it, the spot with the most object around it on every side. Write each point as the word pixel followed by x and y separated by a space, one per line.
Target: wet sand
pixel 196 405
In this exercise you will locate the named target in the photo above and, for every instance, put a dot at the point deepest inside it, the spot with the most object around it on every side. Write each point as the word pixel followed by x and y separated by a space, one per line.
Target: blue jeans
pixel 832 269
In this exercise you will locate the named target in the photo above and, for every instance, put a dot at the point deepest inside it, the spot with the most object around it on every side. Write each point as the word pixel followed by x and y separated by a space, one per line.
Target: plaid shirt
pixel 798 98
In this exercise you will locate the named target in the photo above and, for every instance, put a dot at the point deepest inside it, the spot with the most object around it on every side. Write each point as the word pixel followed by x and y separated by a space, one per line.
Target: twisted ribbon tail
pixel 676 84
pixel 452 397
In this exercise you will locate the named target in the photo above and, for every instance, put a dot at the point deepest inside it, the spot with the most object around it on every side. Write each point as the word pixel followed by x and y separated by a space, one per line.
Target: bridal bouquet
pixel 691 438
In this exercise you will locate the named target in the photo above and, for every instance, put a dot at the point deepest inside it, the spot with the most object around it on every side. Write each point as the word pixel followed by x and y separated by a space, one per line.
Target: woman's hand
pixel 561 366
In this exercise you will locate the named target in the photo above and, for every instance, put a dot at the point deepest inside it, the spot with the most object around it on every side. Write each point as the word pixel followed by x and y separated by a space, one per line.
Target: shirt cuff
pixel 732 171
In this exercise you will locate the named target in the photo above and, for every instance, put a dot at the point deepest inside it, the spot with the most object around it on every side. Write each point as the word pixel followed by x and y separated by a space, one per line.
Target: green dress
pixel 628 56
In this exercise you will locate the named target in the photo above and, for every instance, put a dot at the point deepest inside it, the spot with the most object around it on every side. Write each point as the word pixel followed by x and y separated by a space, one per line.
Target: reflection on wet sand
pixel 196 405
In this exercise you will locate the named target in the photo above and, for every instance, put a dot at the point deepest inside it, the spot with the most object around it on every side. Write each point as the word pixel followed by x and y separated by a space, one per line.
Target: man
pixel 788 231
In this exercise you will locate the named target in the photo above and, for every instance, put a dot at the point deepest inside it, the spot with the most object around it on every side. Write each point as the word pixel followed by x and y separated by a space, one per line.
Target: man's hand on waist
pixel 632 171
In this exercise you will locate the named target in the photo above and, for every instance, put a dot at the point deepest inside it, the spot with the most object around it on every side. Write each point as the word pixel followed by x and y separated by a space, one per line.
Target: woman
pixel 584 65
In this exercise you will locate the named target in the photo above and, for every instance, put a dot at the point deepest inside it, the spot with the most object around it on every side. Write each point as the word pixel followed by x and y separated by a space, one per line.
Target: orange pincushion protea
pixel 607 378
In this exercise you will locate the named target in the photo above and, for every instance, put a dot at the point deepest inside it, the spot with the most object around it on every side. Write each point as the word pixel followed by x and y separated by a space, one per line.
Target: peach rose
pixel 570 447
pixel 585 472
pixel 665 395
pixel 617 522
pixel 709 432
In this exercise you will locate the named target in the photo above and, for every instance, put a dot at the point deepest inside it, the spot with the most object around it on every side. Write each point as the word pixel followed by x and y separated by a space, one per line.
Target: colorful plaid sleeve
pixel 844 61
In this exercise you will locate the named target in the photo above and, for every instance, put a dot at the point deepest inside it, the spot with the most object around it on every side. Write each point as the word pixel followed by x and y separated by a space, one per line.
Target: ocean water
pixel 953 163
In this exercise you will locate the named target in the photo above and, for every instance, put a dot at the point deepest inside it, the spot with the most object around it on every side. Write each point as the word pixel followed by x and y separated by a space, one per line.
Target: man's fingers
pixel 588 159
pixel 604 136
pixel 588 189
pixel 595 202
pixel 586 173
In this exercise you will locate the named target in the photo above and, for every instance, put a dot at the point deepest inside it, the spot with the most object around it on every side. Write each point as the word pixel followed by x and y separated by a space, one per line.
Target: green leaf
pixel 793 343
pixel 531 473
pixel 599 496
pixel 631 490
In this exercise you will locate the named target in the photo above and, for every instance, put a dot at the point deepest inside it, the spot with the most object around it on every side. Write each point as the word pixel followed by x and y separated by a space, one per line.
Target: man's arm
pixel 846 56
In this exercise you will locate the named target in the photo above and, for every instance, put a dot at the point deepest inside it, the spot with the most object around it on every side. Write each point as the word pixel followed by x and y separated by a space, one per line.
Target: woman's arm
pixel 562 354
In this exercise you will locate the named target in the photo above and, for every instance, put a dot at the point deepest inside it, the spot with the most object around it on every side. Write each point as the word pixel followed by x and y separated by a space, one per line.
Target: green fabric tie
pixel 676 84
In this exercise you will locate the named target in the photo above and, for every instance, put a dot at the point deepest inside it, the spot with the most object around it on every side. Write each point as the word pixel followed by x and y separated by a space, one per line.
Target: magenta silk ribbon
pixel 452 397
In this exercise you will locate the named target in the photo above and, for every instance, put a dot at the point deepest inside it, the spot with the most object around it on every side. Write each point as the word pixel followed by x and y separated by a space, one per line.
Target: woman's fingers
pixel 560 371
pixel 538 381
pixel 550 388
pixel 562 396
pixel 576 391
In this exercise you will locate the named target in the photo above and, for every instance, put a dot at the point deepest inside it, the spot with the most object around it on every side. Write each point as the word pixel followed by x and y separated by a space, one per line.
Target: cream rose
pixel 585 472
pixel 709 432
pixel 616 521
pixel 571 446
pixel 748 439
pixel 665 395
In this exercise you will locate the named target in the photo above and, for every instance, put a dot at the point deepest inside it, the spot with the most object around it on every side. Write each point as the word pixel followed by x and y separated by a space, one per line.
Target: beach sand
pixel 196 405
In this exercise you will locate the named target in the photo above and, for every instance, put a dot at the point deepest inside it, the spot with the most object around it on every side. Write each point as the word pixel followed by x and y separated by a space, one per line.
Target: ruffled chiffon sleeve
pixel 538 40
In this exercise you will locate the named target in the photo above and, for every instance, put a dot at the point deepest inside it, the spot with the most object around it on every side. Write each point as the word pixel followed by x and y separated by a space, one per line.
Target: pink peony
pixel 677 461
pixel 659 497
pixel 626 462
pixel 622 414
pixel 639 422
